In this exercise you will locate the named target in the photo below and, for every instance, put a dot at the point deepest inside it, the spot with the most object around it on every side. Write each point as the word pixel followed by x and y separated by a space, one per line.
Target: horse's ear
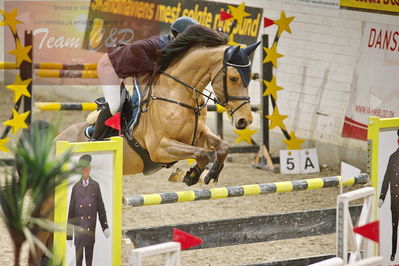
pixel 234 52
pixel 251 48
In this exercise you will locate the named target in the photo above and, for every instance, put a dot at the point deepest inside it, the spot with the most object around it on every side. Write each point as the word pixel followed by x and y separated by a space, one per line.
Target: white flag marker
pixel 347 172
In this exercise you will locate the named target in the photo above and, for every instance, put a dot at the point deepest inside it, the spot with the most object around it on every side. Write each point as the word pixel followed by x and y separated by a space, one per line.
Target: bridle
pixel 226 95
pixel 197 109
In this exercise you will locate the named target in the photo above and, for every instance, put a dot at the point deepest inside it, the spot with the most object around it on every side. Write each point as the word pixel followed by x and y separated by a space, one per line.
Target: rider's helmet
pixel 180 24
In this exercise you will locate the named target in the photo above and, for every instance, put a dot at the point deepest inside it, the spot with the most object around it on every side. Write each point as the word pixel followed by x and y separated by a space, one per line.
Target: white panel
pixel 289 162
pixel 309 161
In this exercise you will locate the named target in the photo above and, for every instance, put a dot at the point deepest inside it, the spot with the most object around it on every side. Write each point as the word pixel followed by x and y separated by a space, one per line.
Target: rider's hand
pixel 107 232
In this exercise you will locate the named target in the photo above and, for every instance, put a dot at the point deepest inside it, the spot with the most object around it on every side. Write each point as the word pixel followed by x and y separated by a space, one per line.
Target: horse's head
pixel 230 84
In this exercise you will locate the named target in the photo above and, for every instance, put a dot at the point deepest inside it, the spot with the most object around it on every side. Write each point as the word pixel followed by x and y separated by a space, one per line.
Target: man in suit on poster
pixel 391 179
pixel 86 201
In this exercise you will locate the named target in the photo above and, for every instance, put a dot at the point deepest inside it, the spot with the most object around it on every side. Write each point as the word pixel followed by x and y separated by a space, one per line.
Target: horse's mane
pixel 193 35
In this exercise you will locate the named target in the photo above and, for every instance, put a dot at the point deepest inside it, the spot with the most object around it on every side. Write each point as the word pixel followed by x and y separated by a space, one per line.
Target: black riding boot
pixel 101 129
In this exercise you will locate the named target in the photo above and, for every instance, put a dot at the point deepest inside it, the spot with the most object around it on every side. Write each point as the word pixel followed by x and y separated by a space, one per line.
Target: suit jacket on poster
pixel 85 203
pixel 392 178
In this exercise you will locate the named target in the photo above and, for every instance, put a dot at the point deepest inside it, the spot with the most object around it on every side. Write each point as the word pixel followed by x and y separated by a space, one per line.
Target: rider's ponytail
pixel 193 35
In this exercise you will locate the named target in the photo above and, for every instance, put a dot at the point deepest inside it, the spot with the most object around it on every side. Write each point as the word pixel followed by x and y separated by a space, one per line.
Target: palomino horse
pixel 173 127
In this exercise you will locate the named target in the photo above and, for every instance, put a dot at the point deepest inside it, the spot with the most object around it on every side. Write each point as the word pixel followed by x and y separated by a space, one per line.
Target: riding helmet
pixel 180 24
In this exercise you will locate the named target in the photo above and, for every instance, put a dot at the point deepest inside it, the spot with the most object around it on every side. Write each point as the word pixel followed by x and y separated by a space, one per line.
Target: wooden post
pixel 26 73
pixel 267 74
pixel 263 159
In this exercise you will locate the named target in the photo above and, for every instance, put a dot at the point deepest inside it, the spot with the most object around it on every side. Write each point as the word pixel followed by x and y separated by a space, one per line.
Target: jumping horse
pixel 172 126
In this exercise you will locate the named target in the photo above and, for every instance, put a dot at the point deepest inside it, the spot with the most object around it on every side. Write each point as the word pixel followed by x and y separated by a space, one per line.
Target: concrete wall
pixel 316 73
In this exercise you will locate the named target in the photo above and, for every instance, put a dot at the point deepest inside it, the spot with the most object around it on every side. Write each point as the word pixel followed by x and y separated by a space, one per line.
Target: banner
pixel 383 138
pixel 113 22
pixel 88 205
pixel 391 6
pixel 375 86
pixel 78 32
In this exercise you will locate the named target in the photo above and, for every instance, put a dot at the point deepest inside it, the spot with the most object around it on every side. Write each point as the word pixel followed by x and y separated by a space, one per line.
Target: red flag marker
pixel 370 231
pixel 267 22
pixel 115 122
pixel 225 15
pixel 186 240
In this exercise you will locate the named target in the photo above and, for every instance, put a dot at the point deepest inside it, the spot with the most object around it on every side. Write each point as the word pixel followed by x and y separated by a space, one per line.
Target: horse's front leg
pixel 222 149
pixel 171 150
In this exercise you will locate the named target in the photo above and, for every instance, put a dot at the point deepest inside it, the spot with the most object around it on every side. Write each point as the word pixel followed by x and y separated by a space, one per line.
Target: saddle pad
pixel 134 102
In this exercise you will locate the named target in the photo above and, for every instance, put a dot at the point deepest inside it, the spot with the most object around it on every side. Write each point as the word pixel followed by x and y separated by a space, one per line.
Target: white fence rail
pixel 172 249
pixel 347 241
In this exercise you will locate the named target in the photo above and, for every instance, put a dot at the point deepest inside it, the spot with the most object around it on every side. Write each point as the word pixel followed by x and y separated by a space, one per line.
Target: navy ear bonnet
pixel 239 58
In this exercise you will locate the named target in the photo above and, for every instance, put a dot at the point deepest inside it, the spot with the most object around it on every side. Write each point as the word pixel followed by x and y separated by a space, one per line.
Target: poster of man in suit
pixel 388 197
pixel 90 213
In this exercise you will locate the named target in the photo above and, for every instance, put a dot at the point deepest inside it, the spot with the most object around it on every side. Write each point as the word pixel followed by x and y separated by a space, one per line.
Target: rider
pixel 131 60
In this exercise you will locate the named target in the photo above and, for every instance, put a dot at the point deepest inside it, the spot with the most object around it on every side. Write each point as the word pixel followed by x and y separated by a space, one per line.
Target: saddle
pixel 130 110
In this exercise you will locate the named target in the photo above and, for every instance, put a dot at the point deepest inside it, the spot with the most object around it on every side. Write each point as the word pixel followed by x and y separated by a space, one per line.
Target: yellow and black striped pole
pixel 74 106
pixel 239 191
pixel 60 66
pixel 56 73
pixel 8 65
pixel 65 106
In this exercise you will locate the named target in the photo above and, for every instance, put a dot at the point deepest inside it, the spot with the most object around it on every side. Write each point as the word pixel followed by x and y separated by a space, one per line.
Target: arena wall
pixel 317 72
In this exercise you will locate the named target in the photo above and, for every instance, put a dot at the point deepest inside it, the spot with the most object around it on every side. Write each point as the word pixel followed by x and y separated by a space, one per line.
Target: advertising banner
pixel 90 207
pixel 375 86
pixel 383 136
pixel 391 6
pixel 140 19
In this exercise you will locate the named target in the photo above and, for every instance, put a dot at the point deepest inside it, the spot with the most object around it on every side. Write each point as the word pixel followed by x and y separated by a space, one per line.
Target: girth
pixel 150 166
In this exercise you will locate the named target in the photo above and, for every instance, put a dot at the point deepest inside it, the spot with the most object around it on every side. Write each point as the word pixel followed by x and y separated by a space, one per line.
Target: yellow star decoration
pixel 294 143
pixel 10 19
pixel 3 143
pixel 20 87
pixel 239 13
pixel 272 88
pixel 276 119
pixel 283 23
pixel 220 109
pixel 244 135
pixel 18 121
pixel 272 55
pixel 21 53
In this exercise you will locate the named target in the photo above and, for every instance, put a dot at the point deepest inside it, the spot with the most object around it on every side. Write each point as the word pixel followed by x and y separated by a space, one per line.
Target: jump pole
pixel 239 191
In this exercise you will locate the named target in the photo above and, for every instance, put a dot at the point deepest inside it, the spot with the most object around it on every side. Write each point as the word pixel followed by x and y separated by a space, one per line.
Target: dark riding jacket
pixel 137 58
pixel 86 203
pixel 391 179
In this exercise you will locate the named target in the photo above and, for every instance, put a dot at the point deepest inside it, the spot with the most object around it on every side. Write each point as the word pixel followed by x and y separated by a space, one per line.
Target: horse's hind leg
pixel 222 150
pixel 171 150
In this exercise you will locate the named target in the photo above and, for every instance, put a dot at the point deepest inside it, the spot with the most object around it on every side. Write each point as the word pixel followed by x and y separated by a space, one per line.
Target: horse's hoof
pixel 214 173
pixel 192 176
pixel 176 176
pixel 209 178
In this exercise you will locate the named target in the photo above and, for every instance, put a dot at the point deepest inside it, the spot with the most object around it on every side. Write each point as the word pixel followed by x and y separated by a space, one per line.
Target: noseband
pixel 228 97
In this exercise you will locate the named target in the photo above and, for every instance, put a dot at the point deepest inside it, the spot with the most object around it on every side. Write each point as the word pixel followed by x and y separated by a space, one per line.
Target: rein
pixel 197 108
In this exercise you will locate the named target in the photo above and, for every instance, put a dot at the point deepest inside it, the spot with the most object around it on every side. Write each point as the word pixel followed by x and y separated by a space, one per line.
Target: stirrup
pixel 86 133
